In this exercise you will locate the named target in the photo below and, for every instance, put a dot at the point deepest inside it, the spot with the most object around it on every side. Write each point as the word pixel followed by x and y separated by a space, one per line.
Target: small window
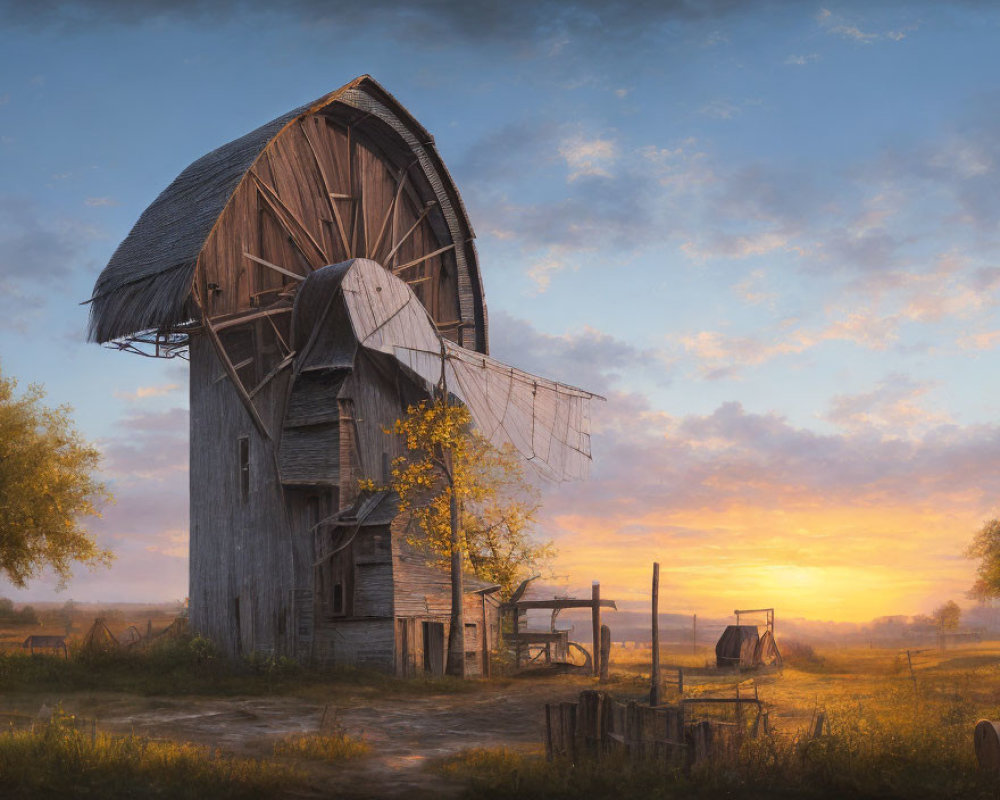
pixel 244 467
pixel 338 598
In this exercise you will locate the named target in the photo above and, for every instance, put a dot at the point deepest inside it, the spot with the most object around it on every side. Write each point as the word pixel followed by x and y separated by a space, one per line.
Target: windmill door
pixel 434 648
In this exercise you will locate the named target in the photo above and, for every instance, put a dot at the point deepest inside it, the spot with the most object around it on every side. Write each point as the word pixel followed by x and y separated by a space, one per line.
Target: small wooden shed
pixel 737 646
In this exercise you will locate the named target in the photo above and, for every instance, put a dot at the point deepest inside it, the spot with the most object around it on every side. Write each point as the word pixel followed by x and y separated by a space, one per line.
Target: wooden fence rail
pixel 597 724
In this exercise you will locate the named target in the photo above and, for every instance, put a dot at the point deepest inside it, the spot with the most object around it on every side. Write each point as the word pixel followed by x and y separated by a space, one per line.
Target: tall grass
pixel 336 746
pixel 888 735
pixel 190 665
pixel 59 760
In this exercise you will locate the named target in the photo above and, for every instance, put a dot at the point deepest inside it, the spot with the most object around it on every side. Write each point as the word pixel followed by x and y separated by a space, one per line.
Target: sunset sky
pixel 766 232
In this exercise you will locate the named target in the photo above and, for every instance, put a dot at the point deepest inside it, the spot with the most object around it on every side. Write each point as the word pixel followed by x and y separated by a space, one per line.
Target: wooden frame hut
pixel 320 275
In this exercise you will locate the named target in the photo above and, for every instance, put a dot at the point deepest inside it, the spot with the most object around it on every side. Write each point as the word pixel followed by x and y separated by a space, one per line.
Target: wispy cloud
pixel 588 157
pixel 751 506
pixel 96 202
pixel 895 408
pixel 145 392
pixel 838 25
pixel 802 60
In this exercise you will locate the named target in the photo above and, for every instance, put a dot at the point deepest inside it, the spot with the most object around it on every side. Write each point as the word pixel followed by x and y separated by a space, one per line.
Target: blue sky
pixel 766 231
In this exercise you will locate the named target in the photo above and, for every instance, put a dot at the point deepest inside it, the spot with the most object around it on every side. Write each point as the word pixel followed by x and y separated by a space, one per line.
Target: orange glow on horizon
pixel 848 564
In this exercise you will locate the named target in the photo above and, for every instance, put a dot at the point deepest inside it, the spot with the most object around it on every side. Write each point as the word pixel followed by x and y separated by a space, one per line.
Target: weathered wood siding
pixel 359 642
pixel 283 213
pixel 244 558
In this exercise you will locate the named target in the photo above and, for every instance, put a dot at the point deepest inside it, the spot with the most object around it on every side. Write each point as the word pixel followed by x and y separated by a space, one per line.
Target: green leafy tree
pixel 948 616
pixel 469 502
pixel 47 486
pixel 985 548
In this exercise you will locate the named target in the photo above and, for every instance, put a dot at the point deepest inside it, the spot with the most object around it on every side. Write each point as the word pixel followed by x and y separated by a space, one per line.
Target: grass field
pixel 890 732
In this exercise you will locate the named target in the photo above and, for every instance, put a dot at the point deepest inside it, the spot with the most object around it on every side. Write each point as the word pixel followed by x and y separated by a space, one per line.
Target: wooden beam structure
pixel 595 618
pixel 562 603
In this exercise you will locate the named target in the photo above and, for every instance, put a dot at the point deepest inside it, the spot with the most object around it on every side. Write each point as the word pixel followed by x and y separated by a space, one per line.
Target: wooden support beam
pixel 234 321
pixel 524 605
pixel 357 206
pixel 605 652
pixel 331 196
pixel 288 219
pixel 275 267
pixel 285 362
pixel 413 227
pixel 401 182
pixel 277 333
pixel 220 351
pixel 422 259
pixel 517 639
pixel 595 618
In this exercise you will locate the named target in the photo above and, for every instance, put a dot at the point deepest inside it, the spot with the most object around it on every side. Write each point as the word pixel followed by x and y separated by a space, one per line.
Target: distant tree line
pixel 23 616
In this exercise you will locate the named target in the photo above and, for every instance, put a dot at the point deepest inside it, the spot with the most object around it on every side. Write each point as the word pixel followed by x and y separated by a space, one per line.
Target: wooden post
pixel 485 642
pixel 680 680
pixel 567 717
pixel 517 639
pixel 605 652
pixel 548 732
pixel 654 678
pixel 595 616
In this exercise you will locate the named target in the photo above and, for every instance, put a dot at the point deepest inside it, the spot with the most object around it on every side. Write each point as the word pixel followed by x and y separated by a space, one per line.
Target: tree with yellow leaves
pixel 46 487
pixel 469 502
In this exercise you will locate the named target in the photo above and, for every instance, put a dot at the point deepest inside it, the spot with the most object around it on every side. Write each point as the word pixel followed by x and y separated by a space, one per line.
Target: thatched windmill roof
pixel 147 284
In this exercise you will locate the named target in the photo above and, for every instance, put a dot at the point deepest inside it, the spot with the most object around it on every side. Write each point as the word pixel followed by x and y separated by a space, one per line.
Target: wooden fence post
pixel 548 732
pixel 567 719
pixel 605 652
pixel 595 618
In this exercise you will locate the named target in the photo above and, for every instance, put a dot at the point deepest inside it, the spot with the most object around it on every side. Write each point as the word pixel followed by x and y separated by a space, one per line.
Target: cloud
pixel 151 448
pixel 836 25
pixel 37 255
pixel 97 202
pixel 894 408
pixel 983 340
pixel 738 246
pixel 719 109
pixel 470 20
pixel 588 157
pixel 144 392
pixel 718 355
pixel 588 358
pixel 750 290
pixel 802 60
pixel 742 506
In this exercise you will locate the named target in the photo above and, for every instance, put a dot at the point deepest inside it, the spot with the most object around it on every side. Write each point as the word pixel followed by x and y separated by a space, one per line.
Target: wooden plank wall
pixel 282 212
pixel 361 642
pixel 241 550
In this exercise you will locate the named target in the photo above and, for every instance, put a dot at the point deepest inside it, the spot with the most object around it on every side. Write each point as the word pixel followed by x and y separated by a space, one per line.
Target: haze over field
pixel 767 232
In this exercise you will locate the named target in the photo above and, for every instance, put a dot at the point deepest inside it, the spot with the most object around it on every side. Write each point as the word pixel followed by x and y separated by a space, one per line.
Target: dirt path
pixel 405 732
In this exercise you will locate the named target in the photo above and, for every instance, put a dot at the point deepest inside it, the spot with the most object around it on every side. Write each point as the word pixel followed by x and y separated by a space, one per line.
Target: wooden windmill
pixel 319 273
